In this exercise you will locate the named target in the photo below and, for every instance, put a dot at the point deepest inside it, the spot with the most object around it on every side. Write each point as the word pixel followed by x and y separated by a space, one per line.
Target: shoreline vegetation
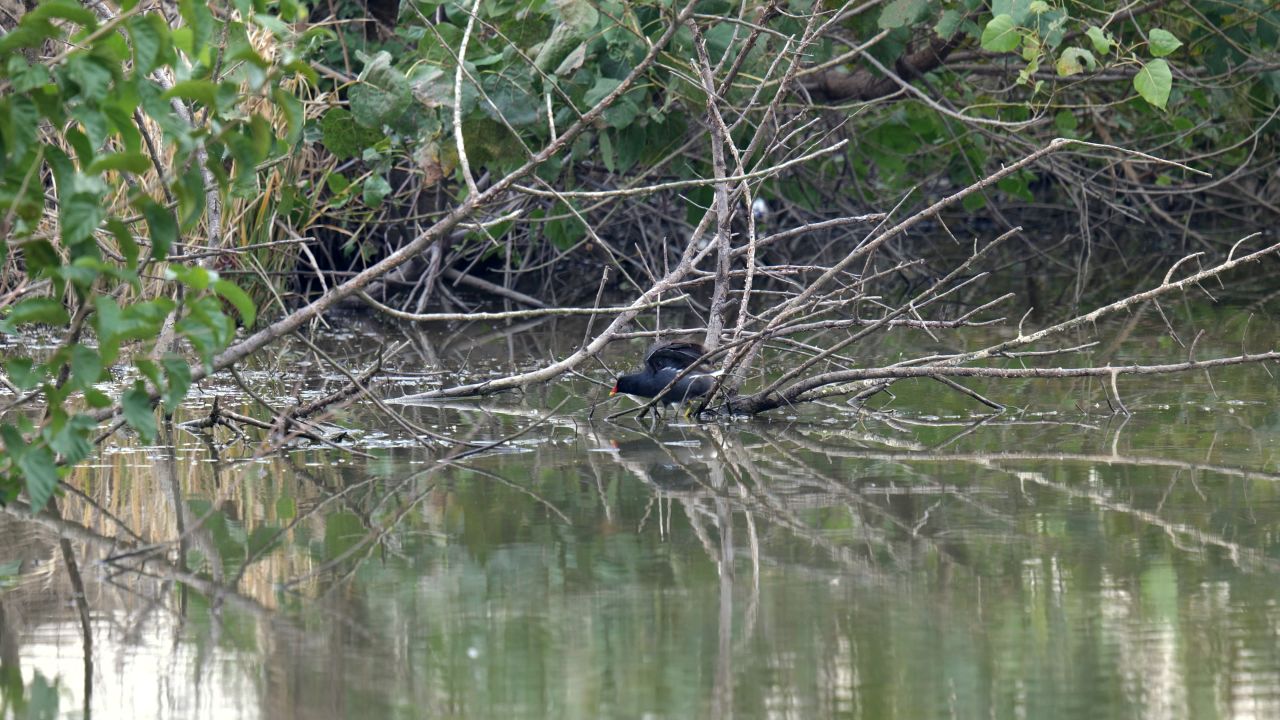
pixel 182 187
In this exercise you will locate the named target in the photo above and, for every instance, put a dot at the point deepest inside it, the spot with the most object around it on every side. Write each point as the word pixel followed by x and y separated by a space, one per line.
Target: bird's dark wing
pixel 677 355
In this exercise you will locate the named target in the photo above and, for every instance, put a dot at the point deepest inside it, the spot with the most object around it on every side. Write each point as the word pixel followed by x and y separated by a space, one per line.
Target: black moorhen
pixel 662 364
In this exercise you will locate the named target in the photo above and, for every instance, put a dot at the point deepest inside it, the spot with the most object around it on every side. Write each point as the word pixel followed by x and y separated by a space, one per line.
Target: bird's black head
pixel 626 384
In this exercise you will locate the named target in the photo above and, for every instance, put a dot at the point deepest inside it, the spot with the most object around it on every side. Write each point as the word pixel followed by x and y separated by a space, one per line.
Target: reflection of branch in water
pixel 1174 530
pixel 82 607
pixel 159 568
pixel 758 500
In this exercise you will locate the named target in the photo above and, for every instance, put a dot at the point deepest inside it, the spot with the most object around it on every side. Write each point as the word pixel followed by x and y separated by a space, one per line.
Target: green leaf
pixel 376 188
pixel 606 152
pixel 572 61
pixel 509 100
pixel 1000 35
pixel 62 10
pixel 124 242
pixel 600 90
pixel 948 23
pixel 131 161
pixel 97 399
pixel 86 365
pixel 69 436
pixel 78 216
pixel 291 106
pixel 136 406
pixel 90 76
pixel 343 137
pixel 24 373
pixel 382 94
pixel 901 13
pixel 29 34
pixel 179 374
pixel 151 48
pixel 1017 10
pixel 37 310
pixel 1101 40
pixel 1162 42
pixel 199 20
pixel 201 91
pixel 1066 122
pixel 1074 60
pixel 41 475
pixel 193 276
pixel 232 293
pixel 1153 82
pixel 24 76
pixel 581 15
pixel 162 226
pixel 24 123
pixel 41 258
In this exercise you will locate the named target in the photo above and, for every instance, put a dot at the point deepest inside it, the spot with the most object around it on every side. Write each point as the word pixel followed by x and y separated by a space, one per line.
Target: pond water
pixel 923 560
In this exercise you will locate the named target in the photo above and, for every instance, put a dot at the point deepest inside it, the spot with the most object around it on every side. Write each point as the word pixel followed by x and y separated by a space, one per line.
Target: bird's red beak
pixel 614 391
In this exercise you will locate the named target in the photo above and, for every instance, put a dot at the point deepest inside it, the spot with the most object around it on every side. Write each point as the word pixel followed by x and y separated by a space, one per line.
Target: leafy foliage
pixel 117 134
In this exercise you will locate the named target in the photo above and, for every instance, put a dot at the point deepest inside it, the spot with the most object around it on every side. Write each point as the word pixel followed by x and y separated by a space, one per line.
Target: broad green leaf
pixel 606 152
pixel 40 473
pixel 178 373
pixel 1017 10
pixel 600 90
pixel 86 365
pixel 201 91
pixel 199 21
pixel 22 126
pixel 382 94
pixel 1153 82
pixel 1101 40
pixel 109 322
pixel 292 108
pixel 151 46
pixel 581 15
pixel 150 370
pixel 901 13
pixel 162 226
pixel 69 436
pixel 41 258
pixel 136 406
pixel 1000 35
pixel 948 23
pixel 63 10
pixel 343 137
pixel 376 188
pixel 131 161
pixel 1162 42
pixel 30 33
pixel 1066 122
pixel 193 276
pixel 79 216
pixel 24 372
pixel 127 246
pixel 24 76
pixel 509 100
pixel 572 61
pixel 90 75
pixel 1073 61
pixel 37 310
pixel 97 399
pixel 232 293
